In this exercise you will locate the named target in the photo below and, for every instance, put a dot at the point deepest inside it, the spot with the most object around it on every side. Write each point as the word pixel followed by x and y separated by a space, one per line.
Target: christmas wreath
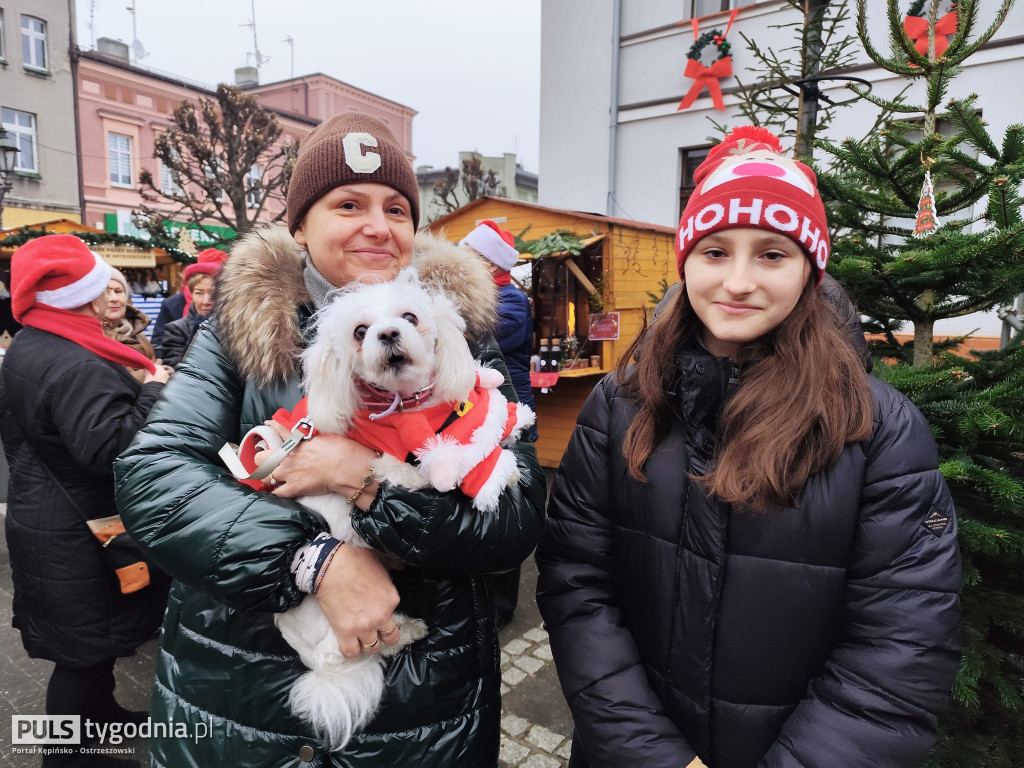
pixel 714 36
pixel 708 77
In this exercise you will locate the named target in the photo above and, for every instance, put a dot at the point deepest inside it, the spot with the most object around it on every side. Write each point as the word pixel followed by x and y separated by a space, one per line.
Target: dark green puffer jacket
pixel 222 661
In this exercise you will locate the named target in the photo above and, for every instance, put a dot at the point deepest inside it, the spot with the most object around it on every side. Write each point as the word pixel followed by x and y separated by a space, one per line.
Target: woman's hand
pixel 358 600
pixel 162 374
pixel 324 464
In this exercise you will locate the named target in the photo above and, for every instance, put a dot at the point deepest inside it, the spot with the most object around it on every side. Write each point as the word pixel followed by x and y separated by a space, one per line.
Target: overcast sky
pixel 470 68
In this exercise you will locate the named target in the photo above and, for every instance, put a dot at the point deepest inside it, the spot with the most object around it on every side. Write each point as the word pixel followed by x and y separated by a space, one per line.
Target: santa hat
pixel 210 262
pixel 58 271
pixel 746 181
pixel 494 244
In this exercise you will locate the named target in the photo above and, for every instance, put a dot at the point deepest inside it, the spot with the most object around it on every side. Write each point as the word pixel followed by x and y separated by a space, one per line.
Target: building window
pixel 691 159
pixel 33 42
pixel 21 127
pixel 253 191
pixel 167 183
pixel 3 56
pixel 119 147
pixel 708 7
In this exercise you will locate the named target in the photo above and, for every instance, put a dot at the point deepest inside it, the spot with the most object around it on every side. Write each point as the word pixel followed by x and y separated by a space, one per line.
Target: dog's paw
pixel 409 631
pixel 389 469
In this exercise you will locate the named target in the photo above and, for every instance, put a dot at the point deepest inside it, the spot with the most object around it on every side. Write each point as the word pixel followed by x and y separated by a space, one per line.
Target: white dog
pixel 390 367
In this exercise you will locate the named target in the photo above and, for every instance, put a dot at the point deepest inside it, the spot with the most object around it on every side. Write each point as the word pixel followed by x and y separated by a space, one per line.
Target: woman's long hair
pixel 803 395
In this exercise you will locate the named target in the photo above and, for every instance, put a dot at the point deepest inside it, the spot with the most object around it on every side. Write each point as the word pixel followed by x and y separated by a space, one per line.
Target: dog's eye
pixel 410 318
pixel 360 332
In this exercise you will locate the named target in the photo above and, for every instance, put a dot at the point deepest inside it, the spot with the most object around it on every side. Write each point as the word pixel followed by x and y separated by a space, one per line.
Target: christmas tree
pixel 928 226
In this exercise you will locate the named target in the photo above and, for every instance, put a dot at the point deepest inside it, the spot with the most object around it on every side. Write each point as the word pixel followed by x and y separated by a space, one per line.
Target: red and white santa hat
pixel 746 181
pixel 494 244
pixel 56 270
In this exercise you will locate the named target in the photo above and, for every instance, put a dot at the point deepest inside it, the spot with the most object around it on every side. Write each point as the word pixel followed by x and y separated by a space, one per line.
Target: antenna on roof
pixel 259 57
pixel 291 44
pixel 137 48
pixel 92 24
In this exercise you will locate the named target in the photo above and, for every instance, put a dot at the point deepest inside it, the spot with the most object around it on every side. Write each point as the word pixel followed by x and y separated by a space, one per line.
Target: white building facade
pixel 612 140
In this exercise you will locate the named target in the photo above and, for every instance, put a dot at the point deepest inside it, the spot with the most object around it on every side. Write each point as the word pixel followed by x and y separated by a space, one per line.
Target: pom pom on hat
pixel 58 271
pixel 494 244
pixel 746 181
pixel 209 263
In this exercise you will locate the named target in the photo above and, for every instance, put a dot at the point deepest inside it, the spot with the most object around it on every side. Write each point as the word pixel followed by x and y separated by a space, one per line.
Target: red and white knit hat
pixel 58 271
pixel 746 181
pixel 494 244
pixel 209 263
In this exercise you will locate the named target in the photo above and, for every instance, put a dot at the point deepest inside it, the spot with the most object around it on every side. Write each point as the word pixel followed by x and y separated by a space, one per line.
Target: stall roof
pixel 563 254
pixel 581 214
pixel 115 255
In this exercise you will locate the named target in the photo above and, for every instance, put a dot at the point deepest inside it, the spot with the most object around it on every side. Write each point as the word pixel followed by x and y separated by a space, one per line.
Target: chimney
pixel 246 77
pixel 111 47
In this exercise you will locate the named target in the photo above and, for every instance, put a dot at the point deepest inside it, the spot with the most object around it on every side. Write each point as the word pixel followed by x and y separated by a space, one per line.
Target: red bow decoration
pixel 706 77
pixel 916 28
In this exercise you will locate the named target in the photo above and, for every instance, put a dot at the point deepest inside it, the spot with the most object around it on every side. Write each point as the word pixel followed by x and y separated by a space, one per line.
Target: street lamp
pixel 8 152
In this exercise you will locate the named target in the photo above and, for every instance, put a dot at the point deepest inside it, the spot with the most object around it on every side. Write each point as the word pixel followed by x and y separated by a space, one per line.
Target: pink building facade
pixel 122 108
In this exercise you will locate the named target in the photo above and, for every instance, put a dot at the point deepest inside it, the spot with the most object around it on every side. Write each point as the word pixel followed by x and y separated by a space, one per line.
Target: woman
pixel 124 323
pixel 178 334
pixel 68 406
pixel 751 557
pixel 352 212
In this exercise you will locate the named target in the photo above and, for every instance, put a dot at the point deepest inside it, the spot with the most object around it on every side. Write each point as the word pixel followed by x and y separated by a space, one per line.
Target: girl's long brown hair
pixel 803 395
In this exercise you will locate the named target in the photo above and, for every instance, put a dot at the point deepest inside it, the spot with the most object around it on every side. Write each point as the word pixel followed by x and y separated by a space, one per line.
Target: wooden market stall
pixel 120 256
pixel 124 257
pixel 597 298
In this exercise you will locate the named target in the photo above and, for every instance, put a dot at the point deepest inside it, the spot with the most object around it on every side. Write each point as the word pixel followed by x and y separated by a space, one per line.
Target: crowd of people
pixel 741 562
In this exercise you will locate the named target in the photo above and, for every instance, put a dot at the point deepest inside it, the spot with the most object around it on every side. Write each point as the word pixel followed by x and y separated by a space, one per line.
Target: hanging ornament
pixel 185 242
pixel 916 28
pixel 927 219
pixel 708 77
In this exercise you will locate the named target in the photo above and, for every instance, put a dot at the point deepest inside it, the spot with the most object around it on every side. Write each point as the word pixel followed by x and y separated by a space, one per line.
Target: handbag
pixel 122 551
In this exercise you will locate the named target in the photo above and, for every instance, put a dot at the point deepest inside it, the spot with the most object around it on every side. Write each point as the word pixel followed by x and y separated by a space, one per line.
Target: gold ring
pixel 270 479
pixel 371 645
pixel 389 631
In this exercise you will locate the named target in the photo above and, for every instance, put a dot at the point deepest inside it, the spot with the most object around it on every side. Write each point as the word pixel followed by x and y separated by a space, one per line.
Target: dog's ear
pixel 329 382
pixel 456 370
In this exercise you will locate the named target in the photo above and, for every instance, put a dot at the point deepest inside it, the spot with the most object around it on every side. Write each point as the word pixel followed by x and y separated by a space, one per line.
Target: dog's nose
pixel 389 336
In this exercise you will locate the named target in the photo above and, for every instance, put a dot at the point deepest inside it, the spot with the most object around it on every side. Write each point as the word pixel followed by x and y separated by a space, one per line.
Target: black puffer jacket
pixel 824 637
pixel 177 335
pixel 65 413
pixel 222 660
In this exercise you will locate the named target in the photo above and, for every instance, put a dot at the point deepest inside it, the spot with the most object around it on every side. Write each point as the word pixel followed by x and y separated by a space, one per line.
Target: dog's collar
pixel 376 397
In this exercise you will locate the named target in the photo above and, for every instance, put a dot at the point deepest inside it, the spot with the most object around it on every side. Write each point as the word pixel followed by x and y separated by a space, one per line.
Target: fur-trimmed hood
pixel 260 288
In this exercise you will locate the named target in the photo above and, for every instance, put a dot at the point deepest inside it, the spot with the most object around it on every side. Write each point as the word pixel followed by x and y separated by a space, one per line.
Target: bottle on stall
pixel 544 363
pixel 556 355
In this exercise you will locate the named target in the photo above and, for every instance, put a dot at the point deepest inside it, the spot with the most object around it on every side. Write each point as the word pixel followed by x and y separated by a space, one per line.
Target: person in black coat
pixel 514 334
pixel 68 406
pixel 178 306
pixel 751 557
pixel 178 334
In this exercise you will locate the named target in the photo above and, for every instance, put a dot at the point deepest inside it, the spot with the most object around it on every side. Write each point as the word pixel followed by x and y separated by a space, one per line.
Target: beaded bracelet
pixel 323 568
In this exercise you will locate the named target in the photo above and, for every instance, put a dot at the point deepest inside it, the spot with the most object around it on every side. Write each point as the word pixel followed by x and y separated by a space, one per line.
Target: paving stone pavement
pixel 535 723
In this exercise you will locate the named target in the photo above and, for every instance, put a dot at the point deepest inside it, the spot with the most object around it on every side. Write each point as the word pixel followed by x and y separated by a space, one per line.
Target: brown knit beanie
pixel 350 148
